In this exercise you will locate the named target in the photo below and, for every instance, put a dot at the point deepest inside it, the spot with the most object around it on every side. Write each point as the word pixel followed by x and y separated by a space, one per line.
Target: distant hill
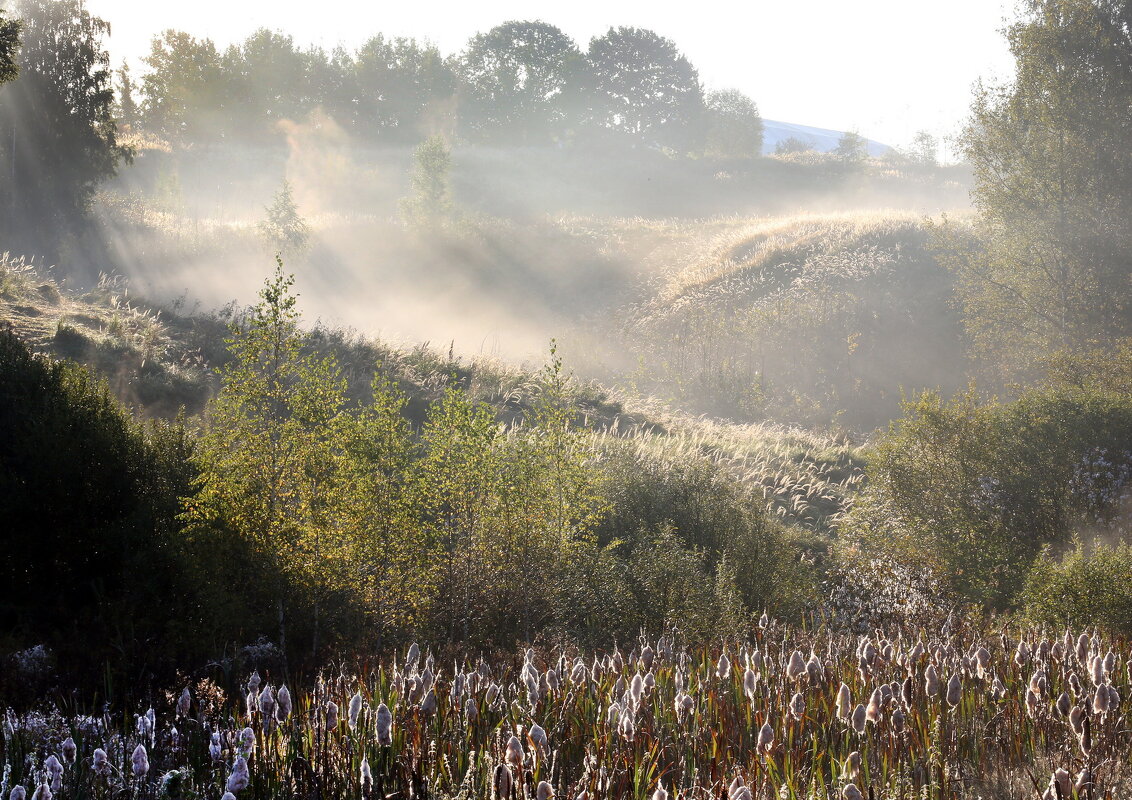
pixel 821 139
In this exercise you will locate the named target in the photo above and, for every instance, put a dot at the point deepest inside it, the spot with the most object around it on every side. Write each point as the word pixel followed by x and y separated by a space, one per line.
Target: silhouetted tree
pixel 126 108
pixel 184 89
pixel 404 89
pixel 57 122
pixel 522 79
pixel 643 87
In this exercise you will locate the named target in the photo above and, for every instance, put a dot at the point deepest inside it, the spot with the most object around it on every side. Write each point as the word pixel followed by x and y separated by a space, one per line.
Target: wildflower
pixel 70 750
pixel 239 778
pixel 766 738
pixel 140 761
pixel 355 710
pixel 384 726
pixel 184 702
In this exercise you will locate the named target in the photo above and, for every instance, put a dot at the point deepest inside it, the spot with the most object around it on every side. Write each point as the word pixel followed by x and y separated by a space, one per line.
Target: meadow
pixel 784 712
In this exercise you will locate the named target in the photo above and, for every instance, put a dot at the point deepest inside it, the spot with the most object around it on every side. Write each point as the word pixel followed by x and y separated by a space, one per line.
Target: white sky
pixel 886 68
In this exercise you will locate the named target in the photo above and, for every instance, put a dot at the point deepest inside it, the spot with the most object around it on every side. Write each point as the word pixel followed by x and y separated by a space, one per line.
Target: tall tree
pixel 643 87
pixel 185 88
pixel 522 79
pixel 1053 184
pixel 404 88
pixel 734 127
pixel 9 43
pixel 58 128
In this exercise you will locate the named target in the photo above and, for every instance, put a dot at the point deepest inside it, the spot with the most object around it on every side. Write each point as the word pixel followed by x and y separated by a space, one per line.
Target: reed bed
pixel 786 713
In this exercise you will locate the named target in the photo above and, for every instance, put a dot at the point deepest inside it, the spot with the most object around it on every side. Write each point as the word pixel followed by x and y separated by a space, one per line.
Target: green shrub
pixel 1087 586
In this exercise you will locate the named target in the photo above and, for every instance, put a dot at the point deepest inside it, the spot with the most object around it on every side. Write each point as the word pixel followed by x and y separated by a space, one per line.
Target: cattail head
pixel 267 702
pixel 931 681
pixel 1076 719
pixel 366 776
pixel 954 690
pixel 578 673
pixel 215 748
pixel 247 742
pixel 797 666
pixel 797 705
pixel 723 667
pixel 502 782
pixel 766 738
pixel 18 793
pixel 283 704
pixel 99 762
pixel 858 718
pixel 412 656
pixel 735 786
pixel 851 792
pixel 647 656
pixel 873 710
pixel 1060 779
pixel 331 715
pixel 239 778
pixel 1022 654
pixel 1083 782
pixel 637 688
pixel 184 702
pixel 42 792
pixel 428 704
pixel 1086 737
pixel 853 765
pixel 1062 704
pixel 70 750
pixel 544 792
pixel 626 727
pixel 536 736
pixel 844 701
pixel 514 752
pixel 814 669
pixel 1031 704
pixel 139 761
pixel 1101 700
pixel 750 684
pixel 228 796
pixel 660 794
pixel 383 724
pixel 898 721
pixel 1096 670
pixel 254 682
pixel 355 710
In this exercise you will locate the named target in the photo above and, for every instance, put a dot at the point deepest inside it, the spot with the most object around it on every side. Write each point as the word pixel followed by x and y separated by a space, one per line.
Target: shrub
pixel 1089 585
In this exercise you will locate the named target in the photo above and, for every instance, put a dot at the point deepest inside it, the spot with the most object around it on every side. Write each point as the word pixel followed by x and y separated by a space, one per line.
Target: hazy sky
pixel 884 67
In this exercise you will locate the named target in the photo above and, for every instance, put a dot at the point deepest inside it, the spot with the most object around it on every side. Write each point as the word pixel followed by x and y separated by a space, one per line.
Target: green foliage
pixel 974 490
pixel 9 43
pixel 792 144
pixel 852 146
pixel 643 88
pixel 1053 184
pixel 92 568
pixel 126 110
pixel 58 117
pixel 429 201
pixel 184 88
pixel 284 229
pixel 1089 585
pixel 403 89
pixel 523 79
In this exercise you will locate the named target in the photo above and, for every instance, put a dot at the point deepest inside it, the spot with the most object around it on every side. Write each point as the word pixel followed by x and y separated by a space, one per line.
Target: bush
pixel 1088 586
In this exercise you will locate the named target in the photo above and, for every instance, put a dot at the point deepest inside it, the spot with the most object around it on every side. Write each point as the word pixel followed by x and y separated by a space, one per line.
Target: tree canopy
pixel 9 42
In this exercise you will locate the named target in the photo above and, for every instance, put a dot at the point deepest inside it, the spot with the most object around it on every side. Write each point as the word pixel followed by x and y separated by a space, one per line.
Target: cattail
pixel 18 793
pixel 1083 782
pixel 1075 684
pixel 1113 698
pixel 1022 654
pixel 1101 700
pixel 750 684
pixel 1076 719
pixel 650 682
pixel 246 744
pixel 184 702
pixel 514 754
pixel 797 666
pixel 851 792
pixel 898 721
pixel 331 715
pixel 857 719
pixel 471 710
pixel 853 765
pixel 552 682
pixel 355 710
pixel 931 681
pixel 660 794
pixel 613 713
pixel 1062 704
pixel 366 776
pixel 412 656
pixel 766 738
pixel 267 703
pixel 797 705
pixel 723 667
pixel 42 792
pixel 764 621
pixel 502 782
pixel 428 705
pixel 1031 703
pixel 1039 683
pixel 1082 650
pixel 844 701
pixel 578 673
pixel 254 682
pixel 140 761
pixel 55 771
pixel 228 796
pixel 544 792
pixel 1086 737
pixel 383 724
pixel 814 669
pixel 1096 670
pixel 1060 779
pixel 70 750
pixel 907 691
pixel 239 778
pixel 428 680
pixel 492 694
pixel 626 728
pixel 647 656
pixel 99 762
pixel 636 689
pixel 215 749
pixel 252 702
pixel 735 786
pixel 617 663
pixel 283 704
pixel 536 736
pixel 872 711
